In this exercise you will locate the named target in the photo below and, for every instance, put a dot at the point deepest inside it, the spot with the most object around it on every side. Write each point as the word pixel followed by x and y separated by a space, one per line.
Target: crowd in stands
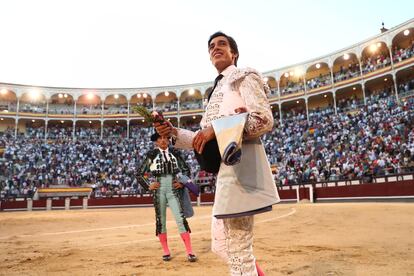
pixel 373 140
pixel 191 105
pixel 33 132
pixel 400 54
pixel 93 109
pixel 62 109
pixel 292 87
pixel 9 106
pixel 108 165
pixel 321 111
pixel 321 80
pixel 361 140
pixel 348 104
pixel 350 72
pixel 32 108
pixel 375 62
pixel 167 106
pixel 115 109
pixel 114 131
pixel 57 132
pixel 33 163
pixel 273 92
pixel 293 115
pixel 406 87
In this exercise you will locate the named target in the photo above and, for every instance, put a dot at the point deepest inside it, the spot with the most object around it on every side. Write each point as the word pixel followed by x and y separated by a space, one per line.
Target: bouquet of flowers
pixel 152 117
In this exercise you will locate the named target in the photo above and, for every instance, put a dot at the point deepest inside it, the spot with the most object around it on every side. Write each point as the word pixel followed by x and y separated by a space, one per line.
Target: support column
pixel 360 67
pixel 67 203
pixel 46 122
pixel 74 120
pixel 334 100
pixel 363 92
pixel 29 204
pixel 332 76
pixel 102 123
pixel 15 129
pixel 128 108
pixel 128 128
pixel 393 72
pixel 178 106
pixel 362 77
pixel 178 109
pixel 73 130
pixel 17 116
pixel 304 84
pixel 74 110
pixel 48 204
pixel 47 107
pixel 307 109
pixel 18 106
pixel 394 76
pixel 278 88
pixel 391 56
pixel 280 114
pixel 85 203
pixel 297 193
pixel 278 99
pixel 310 193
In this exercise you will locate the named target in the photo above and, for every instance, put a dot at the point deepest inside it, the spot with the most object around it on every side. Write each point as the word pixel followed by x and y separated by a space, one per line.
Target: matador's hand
pixel 202 137
pixel 154 186
pixel 177 185
pixel 165 129
pixel 241 109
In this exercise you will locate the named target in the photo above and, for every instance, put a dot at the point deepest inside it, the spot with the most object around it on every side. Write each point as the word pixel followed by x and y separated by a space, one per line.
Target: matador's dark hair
pixel 232 42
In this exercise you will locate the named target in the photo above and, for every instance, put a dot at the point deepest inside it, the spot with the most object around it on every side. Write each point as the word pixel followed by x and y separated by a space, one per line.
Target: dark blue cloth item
pixel 210 159
pixel 248 213
pixel 186 201
pixel 186 181
pixel 232 154
pixel 192 188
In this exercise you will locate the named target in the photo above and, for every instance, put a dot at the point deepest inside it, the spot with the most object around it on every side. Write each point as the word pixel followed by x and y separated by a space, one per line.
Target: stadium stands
pixel 345 116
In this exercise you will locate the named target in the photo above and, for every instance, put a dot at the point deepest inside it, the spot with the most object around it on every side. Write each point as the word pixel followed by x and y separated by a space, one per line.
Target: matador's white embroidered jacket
pixel 248 185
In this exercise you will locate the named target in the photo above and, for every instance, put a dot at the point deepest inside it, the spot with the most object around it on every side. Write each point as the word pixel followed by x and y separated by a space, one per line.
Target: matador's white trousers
pixel 232 240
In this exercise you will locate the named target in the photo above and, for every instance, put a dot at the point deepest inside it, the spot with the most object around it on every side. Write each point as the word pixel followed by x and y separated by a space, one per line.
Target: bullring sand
pixel 293 239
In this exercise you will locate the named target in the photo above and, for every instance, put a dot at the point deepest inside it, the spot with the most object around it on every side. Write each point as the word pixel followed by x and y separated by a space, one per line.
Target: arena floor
pixel 294 239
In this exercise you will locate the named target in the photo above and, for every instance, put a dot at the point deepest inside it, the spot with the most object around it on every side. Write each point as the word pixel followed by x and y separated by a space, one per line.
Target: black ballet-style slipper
pixel 166 258
pixel 191 258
